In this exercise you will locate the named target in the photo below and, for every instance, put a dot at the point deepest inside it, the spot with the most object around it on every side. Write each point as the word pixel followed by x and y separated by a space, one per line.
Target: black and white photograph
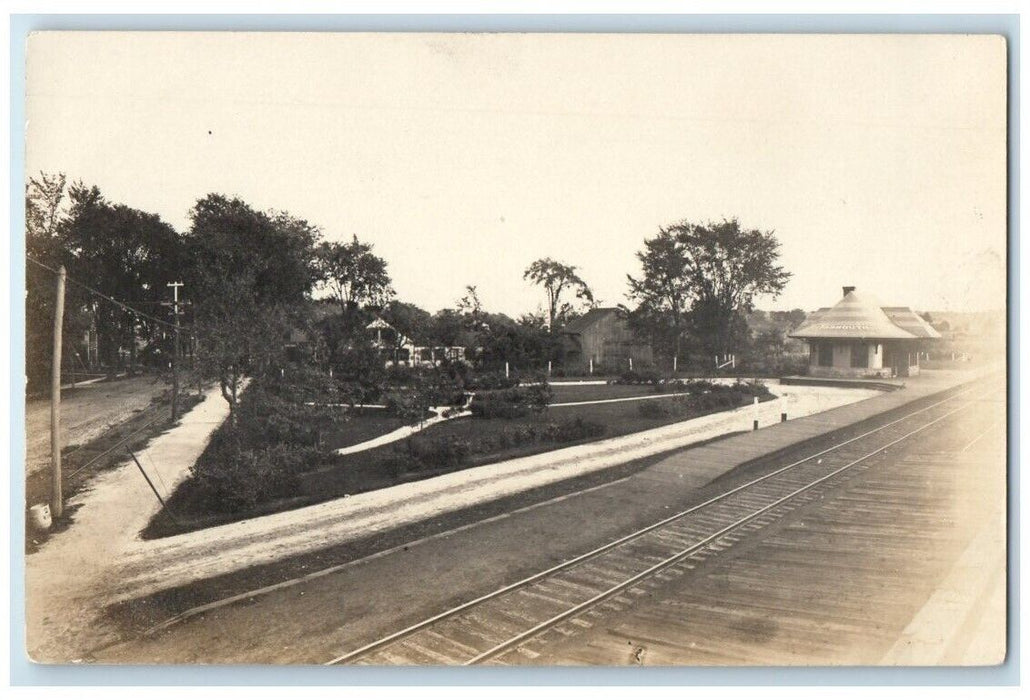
pixel 519 349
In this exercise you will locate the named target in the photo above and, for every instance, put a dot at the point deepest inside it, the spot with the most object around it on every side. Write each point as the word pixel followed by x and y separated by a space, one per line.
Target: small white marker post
pixel 505 370
pixel 548 368
pixel 591 365
pixel 756 413
pixel 631 364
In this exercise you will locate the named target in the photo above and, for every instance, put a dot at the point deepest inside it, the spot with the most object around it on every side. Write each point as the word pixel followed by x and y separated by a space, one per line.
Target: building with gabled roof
pixel 602 338
pixel 859 338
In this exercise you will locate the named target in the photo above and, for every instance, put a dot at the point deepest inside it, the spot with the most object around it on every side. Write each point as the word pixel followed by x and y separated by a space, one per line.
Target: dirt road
pixel 86 412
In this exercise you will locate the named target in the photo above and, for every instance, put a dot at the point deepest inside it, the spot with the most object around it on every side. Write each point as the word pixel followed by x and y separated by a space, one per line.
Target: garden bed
pixel 362 424
pixel 291 476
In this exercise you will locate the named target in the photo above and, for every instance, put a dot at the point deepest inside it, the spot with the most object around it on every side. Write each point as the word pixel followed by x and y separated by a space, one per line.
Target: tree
pixel 557 278
pixel 238 337
pixel 471 308
pixel 448 329
pixel 409 321
pixel 124 253
pixel 44 209
pixel 708 276
pixel 275 250
pixel 788 320
pixel 249 277
pixel 353 274
pixel 728 267
pixel 44 198
pixel 663 291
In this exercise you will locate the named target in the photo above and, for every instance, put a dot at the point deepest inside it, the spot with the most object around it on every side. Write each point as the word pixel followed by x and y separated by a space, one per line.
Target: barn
pixel 602 337
pixel 859 338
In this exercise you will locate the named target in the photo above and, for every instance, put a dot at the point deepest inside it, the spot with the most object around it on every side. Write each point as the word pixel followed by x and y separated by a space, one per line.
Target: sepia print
pixel 515 349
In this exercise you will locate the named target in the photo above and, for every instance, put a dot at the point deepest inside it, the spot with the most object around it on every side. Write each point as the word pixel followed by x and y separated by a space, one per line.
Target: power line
pixel 101 294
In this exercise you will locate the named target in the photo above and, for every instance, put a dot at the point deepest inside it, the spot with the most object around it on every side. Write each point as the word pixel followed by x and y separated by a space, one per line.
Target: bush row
pixel 516 402
pixel 704 397
pixel 422 453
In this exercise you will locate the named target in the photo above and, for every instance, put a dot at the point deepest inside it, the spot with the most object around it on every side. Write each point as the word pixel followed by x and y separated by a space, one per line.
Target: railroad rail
pixel 497 623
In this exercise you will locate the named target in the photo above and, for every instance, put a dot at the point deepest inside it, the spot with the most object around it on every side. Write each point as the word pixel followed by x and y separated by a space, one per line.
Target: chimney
pixel 848 290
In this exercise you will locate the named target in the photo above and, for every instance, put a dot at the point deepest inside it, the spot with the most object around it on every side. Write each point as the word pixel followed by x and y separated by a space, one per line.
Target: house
pixel 859 338
pixel 602 336
pixel 401 350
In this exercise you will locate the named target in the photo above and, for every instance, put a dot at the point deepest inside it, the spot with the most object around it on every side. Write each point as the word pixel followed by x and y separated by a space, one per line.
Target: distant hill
pixel 975 323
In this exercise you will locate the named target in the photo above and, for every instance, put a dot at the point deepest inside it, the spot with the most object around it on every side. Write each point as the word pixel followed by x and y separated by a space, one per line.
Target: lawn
pixel 375 468
pixel 361 424
pixel 565 393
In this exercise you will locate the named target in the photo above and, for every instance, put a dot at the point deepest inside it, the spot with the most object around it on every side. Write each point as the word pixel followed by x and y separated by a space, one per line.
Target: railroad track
pixel 502 622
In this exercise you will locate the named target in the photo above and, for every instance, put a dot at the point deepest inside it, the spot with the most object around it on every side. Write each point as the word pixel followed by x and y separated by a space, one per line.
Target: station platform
pixel 845 383
pixel 694 467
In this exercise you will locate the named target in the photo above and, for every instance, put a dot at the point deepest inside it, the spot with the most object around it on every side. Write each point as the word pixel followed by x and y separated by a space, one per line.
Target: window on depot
pixel 825 354
pixel 859 355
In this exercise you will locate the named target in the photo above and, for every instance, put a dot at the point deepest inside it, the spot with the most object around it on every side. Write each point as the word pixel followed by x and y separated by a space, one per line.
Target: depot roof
pixel 861 316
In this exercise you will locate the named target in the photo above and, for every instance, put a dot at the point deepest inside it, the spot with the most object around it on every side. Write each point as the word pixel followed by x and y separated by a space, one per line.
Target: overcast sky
pixel 878 161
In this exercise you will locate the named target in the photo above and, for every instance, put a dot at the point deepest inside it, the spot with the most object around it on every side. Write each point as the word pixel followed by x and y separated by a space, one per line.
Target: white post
pixel 631 364
pixel 756 414
pixel 674 363
pixel 548 368
pixel 591 365
pixel 505 370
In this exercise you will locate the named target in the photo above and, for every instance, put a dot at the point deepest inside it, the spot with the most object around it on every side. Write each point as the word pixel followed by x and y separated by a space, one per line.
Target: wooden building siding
pixel 604 336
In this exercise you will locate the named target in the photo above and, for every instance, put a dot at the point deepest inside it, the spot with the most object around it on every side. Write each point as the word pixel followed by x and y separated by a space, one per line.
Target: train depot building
pixel 858 338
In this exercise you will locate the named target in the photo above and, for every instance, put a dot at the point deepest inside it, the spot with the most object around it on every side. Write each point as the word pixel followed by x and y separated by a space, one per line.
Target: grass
pixel 363 424
pixel 369 470
pixel 564 393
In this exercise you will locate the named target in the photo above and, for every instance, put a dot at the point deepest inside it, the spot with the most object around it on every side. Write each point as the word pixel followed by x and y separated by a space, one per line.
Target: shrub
pixel 575 429
pixel 516 402
pixel 490 381
pixel 233 478
pixel 670 386
pixel 755 388
pixel 638 377
pixel 419 453
pixel 655 409
pixel 401 374
pixel 699 386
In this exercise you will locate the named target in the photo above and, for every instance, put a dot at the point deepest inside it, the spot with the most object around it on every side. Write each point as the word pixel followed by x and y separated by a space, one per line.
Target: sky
pixel 877 161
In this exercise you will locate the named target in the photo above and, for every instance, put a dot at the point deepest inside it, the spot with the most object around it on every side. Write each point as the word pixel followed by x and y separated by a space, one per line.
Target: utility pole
pixel 56 493
pixel 175 346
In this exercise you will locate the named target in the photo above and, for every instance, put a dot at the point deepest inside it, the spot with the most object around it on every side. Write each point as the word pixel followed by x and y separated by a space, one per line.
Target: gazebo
pixel 858 338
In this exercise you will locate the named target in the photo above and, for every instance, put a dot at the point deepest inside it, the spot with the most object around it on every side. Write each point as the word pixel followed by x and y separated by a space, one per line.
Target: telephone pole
pixel 175 346
pixel 56 492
